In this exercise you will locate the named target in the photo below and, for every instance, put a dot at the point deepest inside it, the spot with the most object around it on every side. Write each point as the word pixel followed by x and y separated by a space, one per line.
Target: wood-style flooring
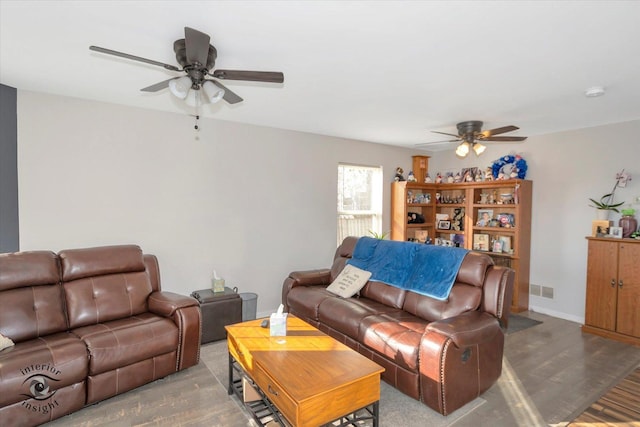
pixel 619 406
pixel 552 373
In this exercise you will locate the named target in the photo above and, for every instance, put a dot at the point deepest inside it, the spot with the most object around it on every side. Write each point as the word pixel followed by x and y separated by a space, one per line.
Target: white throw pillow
pixel 5 342
pixel 350 280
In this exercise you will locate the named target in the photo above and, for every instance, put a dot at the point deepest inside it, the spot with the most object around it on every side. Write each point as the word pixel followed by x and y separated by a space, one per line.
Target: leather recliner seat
pixel 443 353
pixel 87 324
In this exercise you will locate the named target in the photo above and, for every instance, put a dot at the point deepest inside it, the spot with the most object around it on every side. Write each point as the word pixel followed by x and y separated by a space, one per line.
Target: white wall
pixel 567 169
pixel 254 203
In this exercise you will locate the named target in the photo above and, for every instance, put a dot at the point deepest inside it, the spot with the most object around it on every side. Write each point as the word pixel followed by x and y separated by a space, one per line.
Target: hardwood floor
pixel 552 372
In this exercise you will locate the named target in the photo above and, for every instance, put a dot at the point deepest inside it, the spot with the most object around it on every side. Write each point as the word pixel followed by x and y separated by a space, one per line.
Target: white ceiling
pixel 385 72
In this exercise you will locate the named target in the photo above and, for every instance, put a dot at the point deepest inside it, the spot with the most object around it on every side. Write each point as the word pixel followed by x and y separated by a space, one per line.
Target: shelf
pixel 495 230
pixel 469 194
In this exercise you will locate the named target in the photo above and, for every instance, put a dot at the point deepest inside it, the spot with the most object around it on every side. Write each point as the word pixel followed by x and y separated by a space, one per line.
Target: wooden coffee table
pixel 307 377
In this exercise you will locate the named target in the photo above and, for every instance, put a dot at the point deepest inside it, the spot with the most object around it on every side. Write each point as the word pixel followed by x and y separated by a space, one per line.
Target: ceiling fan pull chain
pixel 196 127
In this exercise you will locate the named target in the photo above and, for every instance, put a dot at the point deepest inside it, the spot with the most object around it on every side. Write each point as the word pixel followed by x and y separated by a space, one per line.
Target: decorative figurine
pixel 399 176
pixel 450 178
pixel 438 178
pixel 488 174
pixel 411 177
pixel 427 178
pixel 457 178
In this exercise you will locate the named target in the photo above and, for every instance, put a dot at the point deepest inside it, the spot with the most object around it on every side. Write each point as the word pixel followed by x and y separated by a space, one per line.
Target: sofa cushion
pixel 385 294
pixel 103 298
pixel 125 341
pixel 473 269
pixel 345 314
pixel 462 298
pixel 38 368
pixel 33 268
pixel 304 301
pixel 349 282
pixel 88 262
pixel 396 335
pixel 31 312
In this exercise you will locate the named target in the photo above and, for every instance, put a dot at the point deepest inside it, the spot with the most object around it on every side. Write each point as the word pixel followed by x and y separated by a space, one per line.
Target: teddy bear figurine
pixel 399 176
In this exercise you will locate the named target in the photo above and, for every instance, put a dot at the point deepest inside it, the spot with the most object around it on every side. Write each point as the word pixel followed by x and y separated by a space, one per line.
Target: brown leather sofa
pixel 87 325
pixel 443 353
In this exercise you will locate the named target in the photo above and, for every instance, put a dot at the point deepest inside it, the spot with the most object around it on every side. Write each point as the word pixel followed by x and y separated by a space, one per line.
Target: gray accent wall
pixel 9 236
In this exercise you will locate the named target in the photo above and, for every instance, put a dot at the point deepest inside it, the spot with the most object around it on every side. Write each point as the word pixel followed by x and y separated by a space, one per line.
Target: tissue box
pixel 217 285
pixel 278 324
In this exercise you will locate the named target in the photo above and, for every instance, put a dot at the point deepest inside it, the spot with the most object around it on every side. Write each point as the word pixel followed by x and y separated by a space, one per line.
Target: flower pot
pixel 602 214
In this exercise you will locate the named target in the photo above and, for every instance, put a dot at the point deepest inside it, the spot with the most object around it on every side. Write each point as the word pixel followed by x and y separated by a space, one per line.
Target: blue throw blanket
pixel 425 269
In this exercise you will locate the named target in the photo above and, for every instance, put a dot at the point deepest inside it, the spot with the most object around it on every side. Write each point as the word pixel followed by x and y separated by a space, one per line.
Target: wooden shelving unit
pixel 464 203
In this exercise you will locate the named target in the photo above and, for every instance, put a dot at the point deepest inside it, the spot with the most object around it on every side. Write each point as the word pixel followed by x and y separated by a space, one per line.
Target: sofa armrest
pixel 467 329
pixel 185 313
pixel 311 277
pixel 166 303
pixel 318 277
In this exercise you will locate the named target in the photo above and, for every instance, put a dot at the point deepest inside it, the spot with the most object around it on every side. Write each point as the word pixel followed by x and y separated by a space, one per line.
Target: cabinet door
pixel 602 265
pixel 629 289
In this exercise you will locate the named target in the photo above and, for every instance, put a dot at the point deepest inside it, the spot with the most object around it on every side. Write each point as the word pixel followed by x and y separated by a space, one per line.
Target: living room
pixel 255 201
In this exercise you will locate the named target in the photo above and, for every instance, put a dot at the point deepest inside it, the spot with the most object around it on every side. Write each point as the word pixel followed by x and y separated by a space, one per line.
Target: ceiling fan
pixel 197 58
pixel 470 135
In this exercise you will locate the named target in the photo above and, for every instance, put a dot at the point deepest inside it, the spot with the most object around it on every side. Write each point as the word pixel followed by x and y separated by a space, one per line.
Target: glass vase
pixel 629 224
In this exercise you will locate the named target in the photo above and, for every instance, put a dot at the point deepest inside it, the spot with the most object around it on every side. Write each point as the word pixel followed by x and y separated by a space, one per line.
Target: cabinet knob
pixel 271 390
pixel 620 283
pixel 613 283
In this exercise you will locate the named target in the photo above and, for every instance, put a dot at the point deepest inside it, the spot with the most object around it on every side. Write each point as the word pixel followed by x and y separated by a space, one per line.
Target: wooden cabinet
pixel 612 305
pixel 505 235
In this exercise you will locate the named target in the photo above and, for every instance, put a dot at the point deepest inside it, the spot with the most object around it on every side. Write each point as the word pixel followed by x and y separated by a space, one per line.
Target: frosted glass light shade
pixel 479 148
pixel 463 149
pixel 180 87
pixel 212 92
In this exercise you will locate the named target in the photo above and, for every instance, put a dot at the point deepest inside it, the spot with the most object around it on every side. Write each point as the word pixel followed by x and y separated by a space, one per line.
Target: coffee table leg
pixel 230 389
pixel 376 412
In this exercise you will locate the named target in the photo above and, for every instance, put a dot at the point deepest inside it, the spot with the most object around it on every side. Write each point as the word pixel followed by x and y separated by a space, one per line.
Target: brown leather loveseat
pixel 87 325
pixel 443 353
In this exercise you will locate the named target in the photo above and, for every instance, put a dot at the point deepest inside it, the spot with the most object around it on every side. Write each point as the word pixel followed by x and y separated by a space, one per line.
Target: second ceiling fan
pixel 470 135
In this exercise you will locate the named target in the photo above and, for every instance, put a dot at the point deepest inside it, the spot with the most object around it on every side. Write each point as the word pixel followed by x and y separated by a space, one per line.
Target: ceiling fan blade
pixel 252 76
pixel 158 86
pixel 445 133
pixel 497 131
pixel 505 138
pixel 197 46
pixel 424 144
pixel 229 96
pixel 133 57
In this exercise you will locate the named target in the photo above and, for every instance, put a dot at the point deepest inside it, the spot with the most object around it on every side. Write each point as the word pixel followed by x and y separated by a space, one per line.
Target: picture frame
pixel 444 225
pixel 497 246
pixel 615 232
pixel 421 236
pixel 484 217
pixel 481 242
pixel 506 220
pixel 600 227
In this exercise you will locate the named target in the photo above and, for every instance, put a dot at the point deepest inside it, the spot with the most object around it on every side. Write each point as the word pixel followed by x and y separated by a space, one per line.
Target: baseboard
pixel 557 314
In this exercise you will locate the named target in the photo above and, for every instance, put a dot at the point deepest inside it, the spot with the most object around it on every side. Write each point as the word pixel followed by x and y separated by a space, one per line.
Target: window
pixel 359 200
